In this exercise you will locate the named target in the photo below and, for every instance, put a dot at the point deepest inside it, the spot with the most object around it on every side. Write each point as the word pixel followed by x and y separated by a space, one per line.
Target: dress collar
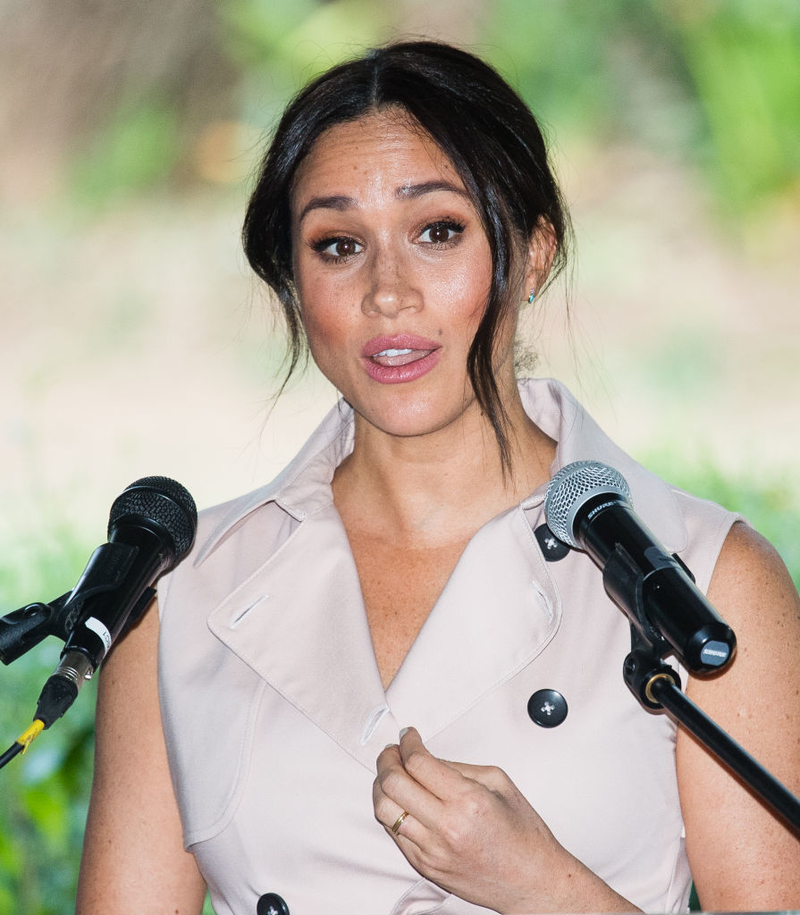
pixel 304 485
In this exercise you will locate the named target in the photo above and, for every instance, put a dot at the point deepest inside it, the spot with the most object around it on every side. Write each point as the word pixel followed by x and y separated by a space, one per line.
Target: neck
pixel 445 484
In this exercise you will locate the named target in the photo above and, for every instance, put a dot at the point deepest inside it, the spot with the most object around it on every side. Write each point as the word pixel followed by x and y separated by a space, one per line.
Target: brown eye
pixel 442 233
pixel 345 247
pixel 338 248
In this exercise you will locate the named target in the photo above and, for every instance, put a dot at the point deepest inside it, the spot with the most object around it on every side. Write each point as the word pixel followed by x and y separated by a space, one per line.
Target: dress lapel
pixel 303 612
pixel 498 611
pixel 299 623
pixel 299 620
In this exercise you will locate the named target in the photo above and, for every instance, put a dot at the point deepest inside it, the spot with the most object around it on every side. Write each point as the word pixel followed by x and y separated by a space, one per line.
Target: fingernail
pixel 403 732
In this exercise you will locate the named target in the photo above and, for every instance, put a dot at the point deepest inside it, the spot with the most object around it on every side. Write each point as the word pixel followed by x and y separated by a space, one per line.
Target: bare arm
pixel 741 856
pixel 133 857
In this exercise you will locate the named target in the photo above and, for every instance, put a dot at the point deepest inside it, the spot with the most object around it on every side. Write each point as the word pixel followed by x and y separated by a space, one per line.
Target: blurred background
pixel 134 342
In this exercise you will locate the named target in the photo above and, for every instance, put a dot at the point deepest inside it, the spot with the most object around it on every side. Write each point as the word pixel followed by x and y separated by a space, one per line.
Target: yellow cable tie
pixel 27 737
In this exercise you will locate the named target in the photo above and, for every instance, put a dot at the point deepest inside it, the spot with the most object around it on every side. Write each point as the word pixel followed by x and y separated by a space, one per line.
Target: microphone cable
pixel 22 742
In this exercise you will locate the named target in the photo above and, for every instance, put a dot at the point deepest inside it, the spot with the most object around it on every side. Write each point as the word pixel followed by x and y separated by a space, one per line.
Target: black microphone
pixel 588 506
pixel 151 527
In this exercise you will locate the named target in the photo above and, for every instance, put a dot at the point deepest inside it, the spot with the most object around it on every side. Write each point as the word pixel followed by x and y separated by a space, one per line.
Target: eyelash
pixel 323 243
pixel 451 225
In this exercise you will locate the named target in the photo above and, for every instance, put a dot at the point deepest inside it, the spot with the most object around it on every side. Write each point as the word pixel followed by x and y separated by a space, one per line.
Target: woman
pixel 397 575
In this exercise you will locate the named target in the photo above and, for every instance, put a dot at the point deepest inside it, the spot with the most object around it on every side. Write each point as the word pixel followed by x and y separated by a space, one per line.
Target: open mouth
pixel 404 356
pixel 399 358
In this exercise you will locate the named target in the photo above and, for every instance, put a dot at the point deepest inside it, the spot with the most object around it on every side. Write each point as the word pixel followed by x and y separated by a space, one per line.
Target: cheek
pixel 324 310
pixel 324 329
pixel 328 327
pixel 464 291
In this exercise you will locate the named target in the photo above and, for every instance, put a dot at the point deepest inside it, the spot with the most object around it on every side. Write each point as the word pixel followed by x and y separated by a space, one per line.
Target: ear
pixel 541 251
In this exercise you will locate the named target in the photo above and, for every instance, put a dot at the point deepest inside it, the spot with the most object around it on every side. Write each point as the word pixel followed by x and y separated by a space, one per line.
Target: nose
pixel 391 287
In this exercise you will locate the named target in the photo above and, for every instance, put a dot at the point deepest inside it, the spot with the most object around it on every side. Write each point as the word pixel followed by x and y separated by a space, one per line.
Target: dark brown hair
pixel 478 121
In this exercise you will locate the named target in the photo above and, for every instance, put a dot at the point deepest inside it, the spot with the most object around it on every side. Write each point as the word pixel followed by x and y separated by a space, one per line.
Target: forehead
pixel 385 150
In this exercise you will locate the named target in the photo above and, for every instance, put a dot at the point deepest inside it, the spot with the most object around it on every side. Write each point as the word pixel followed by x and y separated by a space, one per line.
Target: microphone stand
pixel 657 686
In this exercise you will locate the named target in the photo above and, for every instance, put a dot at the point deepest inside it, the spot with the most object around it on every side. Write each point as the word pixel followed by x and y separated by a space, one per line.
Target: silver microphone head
pixel 572 487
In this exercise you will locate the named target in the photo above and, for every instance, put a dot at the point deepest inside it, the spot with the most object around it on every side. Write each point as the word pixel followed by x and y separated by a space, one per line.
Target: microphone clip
pixel 23 629
pixel 644 665
pixel 624 581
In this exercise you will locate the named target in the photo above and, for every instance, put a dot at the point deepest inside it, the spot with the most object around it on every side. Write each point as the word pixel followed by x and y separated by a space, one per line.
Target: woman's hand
pixel 469 830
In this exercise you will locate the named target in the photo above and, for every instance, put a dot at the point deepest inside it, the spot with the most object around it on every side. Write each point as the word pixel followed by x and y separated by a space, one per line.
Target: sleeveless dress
pixel 274 711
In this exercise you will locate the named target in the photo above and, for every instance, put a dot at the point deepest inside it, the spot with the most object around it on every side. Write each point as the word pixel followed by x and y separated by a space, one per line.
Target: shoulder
pixel 233 541
pixel 751 579
pixel 753 591
pixel 243 530
pixel 747 551
pixel 299 490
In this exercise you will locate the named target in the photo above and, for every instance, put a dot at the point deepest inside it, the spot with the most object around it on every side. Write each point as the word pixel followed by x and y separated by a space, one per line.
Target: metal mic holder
pixel 25 628
pixel 657 686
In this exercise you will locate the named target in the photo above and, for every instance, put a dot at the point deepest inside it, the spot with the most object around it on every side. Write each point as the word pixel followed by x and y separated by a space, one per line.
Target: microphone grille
pixel 572 487
pixel 164 501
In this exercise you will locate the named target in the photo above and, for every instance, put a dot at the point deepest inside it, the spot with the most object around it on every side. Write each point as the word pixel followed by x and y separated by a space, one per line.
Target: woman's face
pixel 392 270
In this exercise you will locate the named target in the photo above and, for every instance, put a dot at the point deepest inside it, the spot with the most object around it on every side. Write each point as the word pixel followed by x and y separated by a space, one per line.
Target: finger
pixel 403 827
pixel 389 754
pixel 395 791
pixel 490 777
pixel 409 834
pixel 395 819
pixel 441 778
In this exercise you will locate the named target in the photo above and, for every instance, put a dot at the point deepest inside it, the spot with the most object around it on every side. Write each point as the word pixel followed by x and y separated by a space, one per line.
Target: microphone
pixel 588 506
pixel 151 527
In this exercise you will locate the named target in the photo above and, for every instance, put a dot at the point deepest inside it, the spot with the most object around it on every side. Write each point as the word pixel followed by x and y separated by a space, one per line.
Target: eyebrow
pixel 412 191
pixel 342 202
pixel 334 202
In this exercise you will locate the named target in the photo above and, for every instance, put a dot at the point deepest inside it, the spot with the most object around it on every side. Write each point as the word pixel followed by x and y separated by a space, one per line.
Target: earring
pixel 532 296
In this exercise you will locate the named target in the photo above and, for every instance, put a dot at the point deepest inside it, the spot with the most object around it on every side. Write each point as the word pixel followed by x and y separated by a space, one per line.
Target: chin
pixel 413 417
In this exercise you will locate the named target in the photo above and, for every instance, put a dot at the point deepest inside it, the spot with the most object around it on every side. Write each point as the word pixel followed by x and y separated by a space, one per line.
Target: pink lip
pixel 425 356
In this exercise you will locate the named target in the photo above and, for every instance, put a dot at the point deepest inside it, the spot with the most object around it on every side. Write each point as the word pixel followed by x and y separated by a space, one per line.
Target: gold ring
pixel 399 822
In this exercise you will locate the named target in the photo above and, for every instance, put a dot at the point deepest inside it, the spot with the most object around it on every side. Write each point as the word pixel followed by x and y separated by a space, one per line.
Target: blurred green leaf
pixel 773 507
pixel 44 793
pixel 745 63
pixel 136 151
pixel 256 28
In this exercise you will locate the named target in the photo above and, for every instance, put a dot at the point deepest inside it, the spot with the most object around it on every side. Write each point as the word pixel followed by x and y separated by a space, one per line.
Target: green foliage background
pixel 713 85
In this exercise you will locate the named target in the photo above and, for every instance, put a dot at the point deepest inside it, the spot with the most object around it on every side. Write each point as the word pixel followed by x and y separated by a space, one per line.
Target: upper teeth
pixel 394 352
